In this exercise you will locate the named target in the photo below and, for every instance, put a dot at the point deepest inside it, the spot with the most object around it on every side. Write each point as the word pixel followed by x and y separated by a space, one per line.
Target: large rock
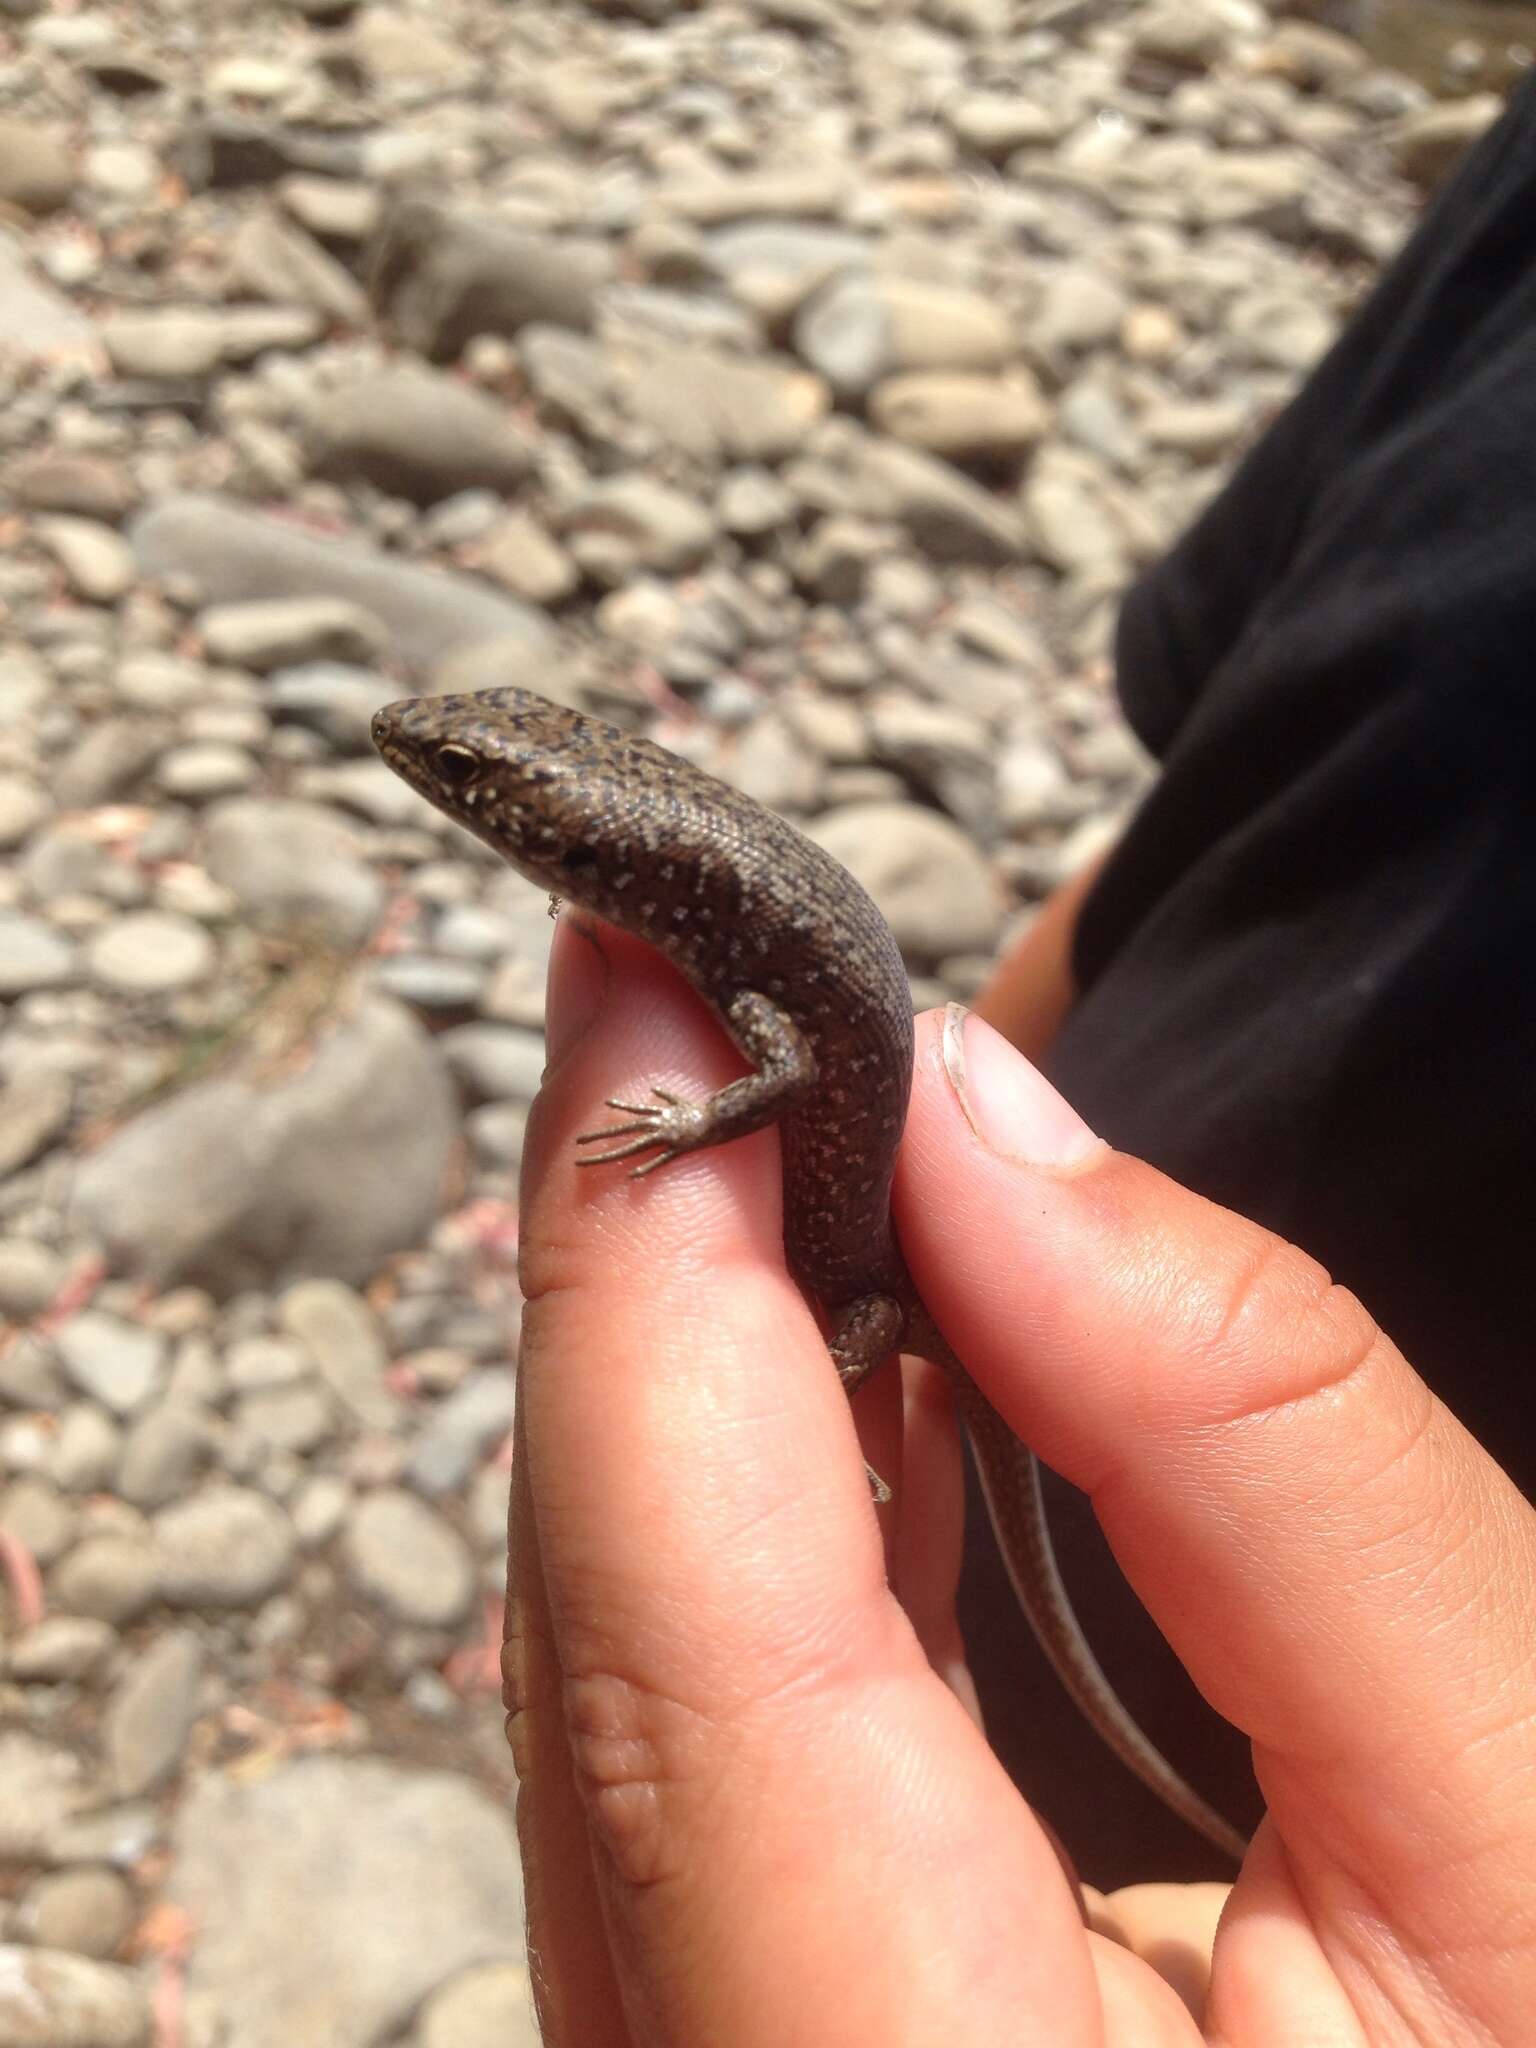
pixel 232 554
pixel 416 434
pixel 441 277
pixel 347 1890
pixel 246 1182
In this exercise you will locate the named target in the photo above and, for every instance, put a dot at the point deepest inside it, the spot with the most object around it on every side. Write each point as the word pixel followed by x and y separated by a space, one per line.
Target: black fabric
pixel 1308 979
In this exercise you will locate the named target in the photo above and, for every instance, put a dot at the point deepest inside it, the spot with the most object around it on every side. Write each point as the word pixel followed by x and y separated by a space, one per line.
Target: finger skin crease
pixel 1344 1367
pixel 1367 1941
pixel 624 1771
pixel 1329 1335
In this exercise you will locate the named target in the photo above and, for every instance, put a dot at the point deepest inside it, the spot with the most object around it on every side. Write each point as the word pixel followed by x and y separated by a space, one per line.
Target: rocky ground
pixel 798 379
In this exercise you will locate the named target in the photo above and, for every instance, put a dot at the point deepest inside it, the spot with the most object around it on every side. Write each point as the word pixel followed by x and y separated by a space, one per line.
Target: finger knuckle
pixel 1281 1305
pixel 638 1758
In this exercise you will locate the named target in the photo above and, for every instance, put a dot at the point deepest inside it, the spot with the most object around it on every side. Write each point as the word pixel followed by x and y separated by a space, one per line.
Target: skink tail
pixel 1010 1479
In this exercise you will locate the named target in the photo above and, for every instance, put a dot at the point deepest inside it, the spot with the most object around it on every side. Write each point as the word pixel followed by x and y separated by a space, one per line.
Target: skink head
pixel 558 795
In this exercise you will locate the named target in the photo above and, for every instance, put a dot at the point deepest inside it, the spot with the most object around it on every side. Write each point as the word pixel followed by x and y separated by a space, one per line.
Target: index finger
pixel 787 1811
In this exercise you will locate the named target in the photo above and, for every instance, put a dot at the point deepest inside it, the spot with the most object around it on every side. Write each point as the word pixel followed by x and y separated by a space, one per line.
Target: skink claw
pixel 664 1122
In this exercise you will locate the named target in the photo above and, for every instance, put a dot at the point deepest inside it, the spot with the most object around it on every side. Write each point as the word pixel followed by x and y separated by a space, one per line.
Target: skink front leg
pixel 672 1125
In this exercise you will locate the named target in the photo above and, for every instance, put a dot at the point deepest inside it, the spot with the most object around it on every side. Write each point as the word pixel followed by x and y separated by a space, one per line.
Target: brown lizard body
pixel 806 976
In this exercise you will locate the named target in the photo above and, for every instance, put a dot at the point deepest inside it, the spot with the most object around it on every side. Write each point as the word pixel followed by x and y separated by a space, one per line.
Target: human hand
pixel 751 1810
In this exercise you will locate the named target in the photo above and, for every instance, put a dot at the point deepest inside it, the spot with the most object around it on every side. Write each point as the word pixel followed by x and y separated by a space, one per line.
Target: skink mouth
pixel 390 731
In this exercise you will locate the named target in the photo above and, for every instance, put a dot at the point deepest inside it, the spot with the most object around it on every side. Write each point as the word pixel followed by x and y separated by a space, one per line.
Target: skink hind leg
pixel 672 1125
pixel 866 1334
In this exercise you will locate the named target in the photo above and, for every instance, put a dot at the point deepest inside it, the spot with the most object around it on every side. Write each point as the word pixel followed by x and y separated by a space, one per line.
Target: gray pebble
pixel 297 1419
pixel 117 1363
pixel 111 1578
pixel 23 806
pixel 487 2007
pixel 275 633
pixel 932 885
pixel 497 1133
pixel 97 562
pixel 40 1790
pixel 319 1508
pixel 332 699
pixel 294 866
pixel 39 1517
pixel 257 1364
pixel 205 771
pixel 34 1110
pixel 460 1429
pixel 29 1374
pixel 32 956
pixel 157 681
pixel 163 1454
pixel 487 1504
pixel 495 1062
pixel 403 1555
pixel 417 434
pixel 48 1996
pixel 340 1334
pixel 437 986
pixel 86 1449
pixel 62 1649
pixel 150 1714
pixel 226 1547
pixel 88 1912
pixel 152 953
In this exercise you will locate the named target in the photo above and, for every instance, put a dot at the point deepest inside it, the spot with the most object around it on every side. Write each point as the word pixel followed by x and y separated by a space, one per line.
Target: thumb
pixel 1345 1574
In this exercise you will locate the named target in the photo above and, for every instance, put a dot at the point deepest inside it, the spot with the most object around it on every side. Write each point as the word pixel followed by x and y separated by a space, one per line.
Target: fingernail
pixel 577 986
pixel 1008 1103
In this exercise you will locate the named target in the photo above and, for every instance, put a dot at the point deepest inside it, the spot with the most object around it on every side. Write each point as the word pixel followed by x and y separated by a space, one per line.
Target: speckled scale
pixel 736 898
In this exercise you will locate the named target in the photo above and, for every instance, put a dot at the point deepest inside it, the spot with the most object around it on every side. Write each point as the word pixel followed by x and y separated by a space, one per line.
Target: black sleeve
pixel 1459 292
pixel 1309 970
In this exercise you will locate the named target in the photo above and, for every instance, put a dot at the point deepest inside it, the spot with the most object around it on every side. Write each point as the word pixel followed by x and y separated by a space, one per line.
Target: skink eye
pixel 455 764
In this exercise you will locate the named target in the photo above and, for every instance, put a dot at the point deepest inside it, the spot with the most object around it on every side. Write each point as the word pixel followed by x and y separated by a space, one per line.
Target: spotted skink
pixel 806 977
